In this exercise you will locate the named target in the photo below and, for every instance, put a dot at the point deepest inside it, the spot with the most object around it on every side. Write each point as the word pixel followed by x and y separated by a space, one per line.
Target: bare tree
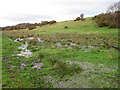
pixel 113 8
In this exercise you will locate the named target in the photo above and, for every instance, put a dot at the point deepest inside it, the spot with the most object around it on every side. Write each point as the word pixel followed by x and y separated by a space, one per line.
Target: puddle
pixel 73 44
pixel 22 66
pixel 59 44
pixel 25 52
pixel 30 38
pixel 84 47
pixel 24 46
pixel 38 65
pixel 10 39
pixel 87 48
pixel 40 40
pixel 18 39
pixel 69 47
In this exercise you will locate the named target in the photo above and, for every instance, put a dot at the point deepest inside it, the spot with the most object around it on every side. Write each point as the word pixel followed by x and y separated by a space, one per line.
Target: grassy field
pixel 54 56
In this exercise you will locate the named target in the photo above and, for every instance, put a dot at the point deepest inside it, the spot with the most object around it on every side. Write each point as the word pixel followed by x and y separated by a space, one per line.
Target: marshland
pixel 53 56
pixel 59 44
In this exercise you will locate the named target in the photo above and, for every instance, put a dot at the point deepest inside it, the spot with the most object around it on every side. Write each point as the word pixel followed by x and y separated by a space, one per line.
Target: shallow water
pixel 73 44
pixel 30 38
pixel 25 52
pixel 59 44
pixel 18 39
pixel 40 40
pixel 38 65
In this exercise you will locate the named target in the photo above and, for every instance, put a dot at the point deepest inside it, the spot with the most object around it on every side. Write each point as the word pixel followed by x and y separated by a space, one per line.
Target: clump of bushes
pixel 77 19
pixel 52 22
pixel 108 19
pixel 30 27
pixel 80 18
pixel 66 27
pixel 48 22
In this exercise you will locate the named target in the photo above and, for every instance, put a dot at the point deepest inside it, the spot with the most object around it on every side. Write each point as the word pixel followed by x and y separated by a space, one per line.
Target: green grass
pixel 63 67
pixel 0 59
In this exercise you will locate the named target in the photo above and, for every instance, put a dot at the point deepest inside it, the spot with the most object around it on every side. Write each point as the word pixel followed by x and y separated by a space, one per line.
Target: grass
pixel 71 57
pixel 0 59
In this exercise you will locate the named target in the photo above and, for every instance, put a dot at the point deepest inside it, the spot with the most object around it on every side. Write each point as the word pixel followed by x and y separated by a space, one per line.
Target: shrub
pixel 52 22
pixel 109 19
pixel 66 27
pixel 44 22
pixel 77 19
pixel 31 27
pixel 64 68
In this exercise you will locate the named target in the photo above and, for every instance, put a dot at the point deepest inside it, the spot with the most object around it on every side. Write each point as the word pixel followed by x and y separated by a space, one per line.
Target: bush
pixel 52 22
pixel 44 22
pixel 64 68
pixel 77 19
pixel 109 19
pixel 31 27
pixel 66 27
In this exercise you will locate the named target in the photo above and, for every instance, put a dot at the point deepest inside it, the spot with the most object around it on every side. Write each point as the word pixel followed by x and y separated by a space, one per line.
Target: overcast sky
pixel 13 12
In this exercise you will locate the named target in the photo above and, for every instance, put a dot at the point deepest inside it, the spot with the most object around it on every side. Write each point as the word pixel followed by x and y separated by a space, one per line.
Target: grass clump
pixel 63 68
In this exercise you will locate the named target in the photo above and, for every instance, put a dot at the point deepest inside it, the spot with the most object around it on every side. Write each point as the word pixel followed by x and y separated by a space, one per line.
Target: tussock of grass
pixel 64 68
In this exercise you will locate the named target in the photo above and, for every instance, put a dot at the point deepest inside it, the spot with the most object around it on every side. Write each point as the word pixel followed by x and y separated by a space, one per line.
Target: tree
pixel 113 8
pixel 81 15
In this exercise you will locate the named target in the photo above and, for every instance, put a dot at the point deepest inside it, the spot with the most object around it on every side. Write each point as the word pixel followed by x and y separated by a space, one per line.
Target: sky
pixel 13 12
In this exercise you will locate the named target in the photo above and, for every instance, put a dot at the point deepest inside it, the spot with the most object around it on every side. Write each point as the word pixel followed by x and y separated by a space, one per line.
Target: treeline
pixel 27 25
pixel 110 19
